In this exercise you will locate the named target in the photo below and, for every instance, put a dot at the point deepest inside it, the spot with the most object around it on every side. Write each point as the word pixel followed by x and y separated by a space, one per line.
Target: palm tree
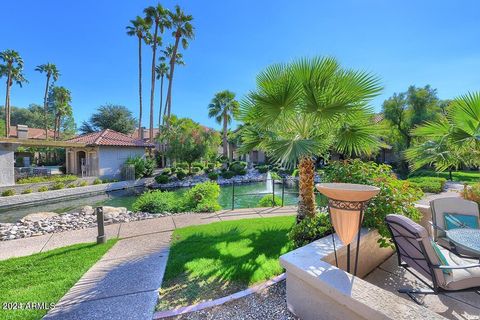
pixel 139 28
pixel 167 55
pixel 452 140
pixel 223 107
pixel 304 109
pixel 182 31
pixel 60 102
pixel 161 69
pixel 12 70
pixel 158 16
pixel 51 71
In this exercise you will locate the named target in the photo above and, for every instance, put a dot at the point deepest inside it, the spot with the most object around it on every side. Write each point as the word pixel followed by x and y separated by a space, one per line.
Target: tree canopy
pixel 110 116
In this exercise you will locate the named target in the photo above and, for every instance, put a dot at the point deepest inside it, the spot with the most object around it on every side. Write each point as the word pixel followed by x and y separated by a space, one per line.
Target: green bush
pixel 143 166
pixel 181 174
pixel 97 181
pixel 238 167
pixel 156 202
pixel 42 189
pixel 58 186
pixel 54 178
pixel 262 168
pixel 8 192
pixel 202 198
pixel 213 176
pixel 166 171
pixel 162 179
pixel 310 229
pixel 83 183
pixel 182 165
pixel 228 174
pixel 27 191
pixel 396 196
pixel 269 201
pixel 429 184
pixel 71 185
pixel 198 165
pixel 196 169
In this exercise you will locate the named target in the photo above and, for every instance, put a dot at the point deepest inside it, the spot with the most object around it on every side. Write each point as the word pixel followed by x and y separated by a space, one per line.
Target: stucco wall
pixel 7 161
pixel 112 159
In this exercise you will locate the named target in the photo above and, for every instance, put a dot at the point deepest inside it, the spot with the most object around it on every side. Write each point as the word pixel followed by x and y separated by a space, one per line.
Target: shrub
pixel 196 169
pixel 211 166
pixel 163 178
pixel 58 186
pixel 228 174
pixel 42 189
pixel 54 178
pixel 97 181
pixel 27 191
pixel 202 198
pixel 198 165
pixel 143 166
pixel 213 176
pixel 270 201
pixel 71 185
pixel 242 172
pixel 182 165
pixel 310 229
pixel 166 171
pixel 262 168
pixel 63 169
pixel 156 202
pixel 181 174
pixel 8 192
pixel 472 192
pixel 396 196
pixel 238 167
pixel 429 184
pixel 83 183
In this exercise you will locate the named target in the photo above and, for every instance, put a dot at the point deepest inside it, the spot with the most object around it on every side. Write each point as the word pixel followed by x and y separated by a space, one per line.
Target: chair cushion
pixel 441 257
pixel 460 278
pixel 456 220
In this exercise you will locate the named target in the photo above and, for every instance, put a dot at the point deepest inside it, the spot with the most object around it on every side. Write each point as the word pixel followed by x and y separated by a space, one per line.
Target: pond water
pixel 246 196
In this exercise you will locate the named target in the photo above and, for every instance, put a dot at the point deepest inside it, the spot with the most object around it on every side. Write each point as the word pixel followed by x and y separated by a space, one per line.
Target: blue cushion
pixel 456 220
pixel 441 257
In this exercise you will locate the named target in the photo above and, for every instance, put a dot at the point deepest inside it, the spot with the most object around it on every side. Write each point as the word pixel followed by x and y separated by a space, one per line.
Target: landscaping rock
pixel 39 216
pixel 87 211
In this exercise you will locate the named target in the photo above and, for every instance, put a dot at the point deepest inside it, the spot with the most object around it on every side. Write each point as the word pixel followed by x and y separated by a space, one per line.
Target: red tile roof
pixel 109 137
pixel 33 133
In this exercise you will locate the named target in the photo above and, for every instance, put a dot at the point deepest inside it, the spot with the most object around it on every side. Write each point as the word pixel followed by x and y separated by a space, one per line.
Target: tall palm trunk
pixel 45 107
pixel 140 85
pixel 152 89
pixel 306 205
pixel 172 69
pixel 161 102
pixel 225 142
pixel 7 106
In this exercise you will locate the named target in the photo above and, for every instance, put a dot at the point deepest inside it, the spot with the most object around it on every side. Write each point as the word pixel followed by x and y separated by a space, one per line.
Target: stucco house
pixel 103 153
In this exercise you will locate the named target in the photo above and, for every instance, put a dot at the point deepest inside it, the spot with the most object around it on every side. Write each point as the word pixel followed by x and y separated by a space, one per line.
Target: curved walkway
pixel 124 283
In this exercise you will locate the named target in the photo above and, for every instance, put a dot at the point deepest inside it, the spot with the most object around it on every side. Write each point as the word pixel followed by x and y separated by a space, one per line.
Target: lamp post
pixel 346 205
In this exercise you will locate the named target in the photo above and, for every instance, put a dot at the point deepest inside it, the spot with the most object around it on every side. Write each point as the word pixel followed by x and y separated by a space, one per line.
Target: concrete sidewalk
pixel 124 283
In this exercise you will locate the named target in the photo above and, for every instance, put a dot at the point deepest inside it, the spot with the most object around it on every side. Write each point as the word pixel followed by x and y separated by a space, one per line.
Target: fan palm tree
pixel 12 70
pixel 51 71
pixel 223 107
pixel 182 32
pixel 139 28
pixel 453 139
pixel 158 17
pixel 162 70
pixel 60 103
pixel 304 109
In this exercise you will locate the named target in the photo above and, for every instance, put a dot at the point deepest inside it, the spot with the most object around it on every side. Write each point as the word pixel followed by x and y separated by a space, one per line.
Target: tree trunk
pixel 225 141
pixel 306 205
pixel 450 174
pixel 45 106
pixel 161 102
pixel 152 89
pixel 7 107
pixel 172 69
pixel 140 85
pixel 55 129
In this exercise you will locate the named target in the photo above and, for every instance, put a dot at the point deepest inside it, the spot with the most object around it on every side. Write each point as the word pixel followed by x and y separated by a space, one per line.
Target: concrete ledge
pixel 316 289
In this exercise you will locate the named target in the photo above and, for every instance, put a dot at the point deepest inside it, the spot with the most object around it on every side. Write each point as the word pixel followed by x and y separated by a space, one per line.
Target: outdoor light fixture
pixel 346 204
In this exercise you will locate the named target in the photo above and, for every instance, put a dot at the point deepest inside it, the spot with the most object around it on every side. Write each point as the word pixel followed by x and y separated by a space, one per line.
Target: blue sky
pixel 403 42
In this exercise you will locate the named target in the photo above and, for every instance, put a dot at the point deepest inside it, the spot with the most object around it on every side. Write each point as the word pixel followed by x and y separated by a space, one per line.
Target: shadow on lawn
pixel 204 266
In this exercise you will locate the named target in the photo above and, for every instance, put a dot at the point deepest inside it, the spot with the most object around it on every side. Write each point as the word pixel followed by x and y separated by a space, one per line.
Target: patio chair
pixel 417 251
pixel 446 208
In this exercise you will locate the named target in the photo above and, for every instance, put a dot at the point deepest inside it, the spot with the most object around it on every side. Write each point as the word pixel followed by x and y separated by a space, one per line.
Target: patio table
pixel 465 238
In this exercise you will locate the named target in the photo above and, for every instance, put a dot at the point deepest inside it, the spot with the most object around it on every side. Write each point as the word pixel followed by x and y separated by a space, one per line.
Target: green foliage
pixel 8 192
pixel 269 201
pixel 396 196
pixel 97 181
pixel 181 174
pixel 213 176
pixel 167 171
pixel 83 183
pixel 198 165
pixel 71 185
pixel 202 198
pixel 162 178
pixel 310 229
pixel 52 178
pixel 114 117
pixel 196 170
pixel 228 174
pixel 429 184
pixel 42 189
pixel 263 168
pixel 144 166
pixel 472 192
pixel 27 191
pixel 460 176
pixel 156 202
pixel 58 186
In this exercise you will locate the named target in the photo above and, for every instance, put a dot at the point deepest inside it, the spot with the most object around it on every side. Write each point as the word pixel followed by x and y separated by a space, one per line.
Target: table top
pixel 466 238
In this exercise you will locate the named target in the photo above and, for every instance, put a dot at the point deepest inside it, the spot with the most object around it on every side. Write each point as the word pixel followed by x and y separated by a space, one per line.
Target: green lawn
pixel 45 277
pixel 460 176
pixel 217 259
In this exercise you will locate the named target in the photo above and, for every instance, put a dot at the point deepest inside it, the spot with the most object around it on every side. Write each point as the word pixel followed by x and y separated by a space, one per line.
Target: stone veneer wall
pixel 7 161
pixel 19 188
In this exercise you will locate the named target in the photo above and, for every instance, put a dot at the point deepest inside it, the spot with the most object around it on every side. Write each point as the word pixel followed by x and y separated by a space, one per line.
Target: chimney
pixel 22 131
pixel 141 132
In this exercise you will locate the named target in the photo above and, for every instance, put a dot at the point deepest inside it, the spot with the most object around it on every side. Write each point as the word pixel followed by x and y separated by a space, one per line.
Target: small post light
pixel 101 238
pixel 346 205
